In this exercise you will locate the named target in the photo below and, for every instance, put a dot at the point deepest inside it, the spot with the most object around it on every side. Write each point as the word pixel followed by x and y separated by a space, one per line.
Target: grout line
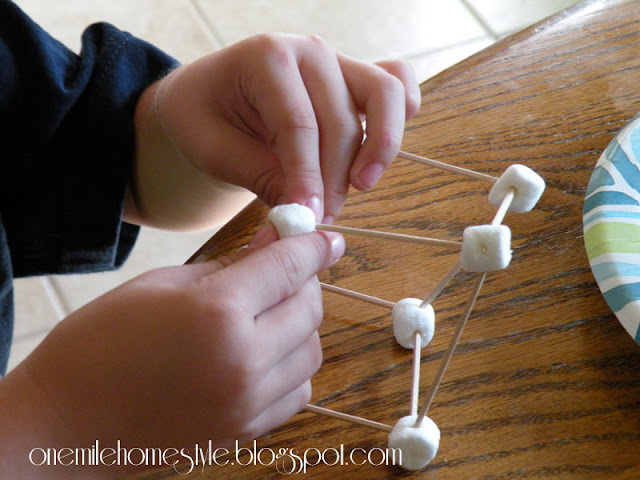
pixel 56 297
pixel 214 36
pixel 478 18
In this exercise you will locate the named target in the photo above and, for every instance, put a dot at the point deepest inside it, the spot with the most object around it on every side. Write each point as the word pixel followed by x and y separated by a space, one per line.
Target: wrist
pixel 169 191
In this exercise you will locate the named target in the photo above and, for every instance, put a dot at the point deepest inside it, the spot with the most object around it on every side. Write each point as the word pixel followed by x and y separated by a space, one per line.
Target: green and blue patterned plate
pixel 611 220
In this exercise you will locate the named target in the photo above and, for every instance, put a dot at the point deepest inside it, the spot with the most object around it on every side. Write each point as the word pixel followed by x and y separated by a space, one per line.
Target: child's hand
pixel 281 116
pixel 222 350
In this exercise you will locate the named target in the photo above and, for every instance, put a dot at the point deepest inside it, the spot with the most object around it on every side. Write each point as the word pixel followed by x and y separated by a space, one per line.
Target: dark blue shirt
pixel 66 143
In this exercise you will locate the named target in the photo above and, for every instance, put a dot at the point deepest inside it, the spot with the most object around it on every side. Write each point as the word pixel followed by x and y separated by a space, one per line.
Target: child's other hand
pixel 281 116
pixel 222 350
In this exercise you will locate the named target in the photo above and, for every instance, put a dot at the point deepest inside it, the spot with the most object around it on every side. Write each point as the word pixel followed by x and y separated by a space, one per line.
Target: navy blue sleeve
pixel 66 143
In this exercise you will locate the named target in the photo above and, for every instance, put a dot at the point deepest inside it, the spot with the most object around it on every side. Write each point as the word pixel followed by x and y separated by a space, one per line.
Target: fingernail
pixel 337 246
pixel 370 174
pixel 315 204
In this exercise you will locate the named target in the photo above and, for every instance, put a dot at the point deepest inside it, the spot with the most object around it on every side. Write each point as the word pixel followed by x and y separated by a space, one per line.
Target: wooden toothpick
pixel 391 236
pixel 443 283
pixel 415 385
pixel 447 167
pixel 356 295
pixel 348 418
pixel 451 348
pixel 504 207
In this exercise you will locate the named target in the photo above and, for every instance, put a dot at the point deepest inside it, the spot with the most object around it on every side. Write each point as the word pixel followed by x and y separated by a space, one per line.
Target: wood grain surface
pixel 545 383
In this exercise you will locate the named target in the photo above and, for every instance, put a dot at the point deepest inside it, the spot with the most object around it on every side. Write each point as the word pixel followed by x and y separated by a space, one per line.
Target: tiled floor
pixel 431 34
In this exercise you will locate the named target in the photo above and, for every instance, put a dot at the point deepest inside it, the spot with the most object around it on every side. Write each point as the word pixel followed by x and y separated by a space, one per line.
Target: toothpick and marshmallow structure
pixel 484 248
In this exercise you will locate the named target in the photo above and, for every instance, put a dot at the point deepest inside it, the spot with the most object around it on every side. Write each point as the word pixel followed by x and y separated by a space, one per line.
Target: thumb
pixel 203 266
pixel 277 271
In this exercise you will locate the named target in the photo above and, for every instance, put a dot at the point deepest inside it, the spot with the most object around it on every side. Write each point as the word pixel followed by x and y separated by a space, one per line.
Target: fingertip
pixel 334 203
pixel 314 202
pixel 412 91
pixel 370 174
pixel 306 392
pixel 337 246
pixel 414 99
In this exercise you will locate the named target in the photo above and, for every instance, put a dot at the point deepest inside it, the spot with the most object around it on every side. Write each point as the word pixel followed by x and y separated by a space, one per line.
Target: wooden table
pixel 545 383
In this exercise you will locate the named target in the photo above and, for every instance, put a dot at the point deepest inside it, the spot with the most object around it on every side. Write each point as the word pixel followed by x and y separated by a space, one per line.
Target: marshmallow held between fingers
pixel 409 319
pixel 527 185
pixel 486 248
pixel 292 219
pixel 419 445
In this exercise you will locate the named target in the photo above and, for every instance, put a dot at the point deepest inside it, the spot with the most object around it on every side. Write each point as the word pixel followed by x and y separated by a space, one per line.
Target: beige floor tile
pixel 431 63
pixel 22 348
pixel 34 311
pixel 368 29
pixel 154 249
pixel 172 25
pixel 504 16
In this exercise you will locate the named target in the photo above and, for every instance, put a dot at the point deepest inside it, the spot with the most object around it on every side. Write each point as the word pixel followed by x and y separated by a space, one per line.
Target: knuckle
pixel 308 178
pixel 413 96
pixel 244 371
pixel 414 100
pixel 319 43
pixel 301 119
pixel 389 84
pixel 215 301
pixel 351 131
pixel 249 371
pixel 289 266
pixel 399 68
pixel 353 127
pixel 405 73
pixel 267 185
pixel 389 139
pixel 226 306
pixel 270 43
pixel 272 48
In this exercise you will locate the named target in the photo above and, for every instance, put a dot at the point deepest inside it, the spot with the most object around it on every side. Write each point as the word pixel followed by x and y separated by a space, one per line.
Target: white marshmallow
pixel 292 219
pixel 528 187
pixel 486 248
pixel 418 445
pixel 409 318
